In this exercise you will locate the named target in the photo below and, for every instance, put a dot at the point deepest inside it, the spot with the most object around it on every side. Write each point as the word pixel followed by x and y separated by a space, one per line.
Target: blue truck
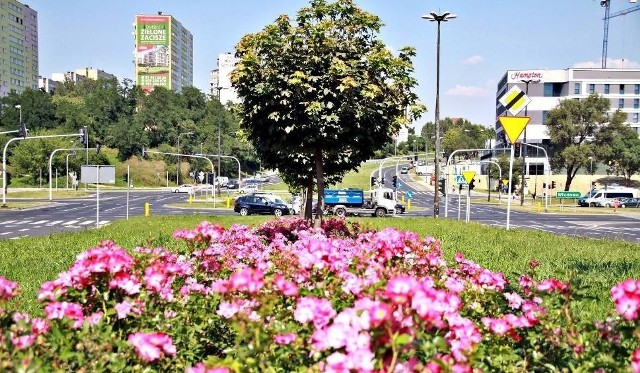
pixel 353 201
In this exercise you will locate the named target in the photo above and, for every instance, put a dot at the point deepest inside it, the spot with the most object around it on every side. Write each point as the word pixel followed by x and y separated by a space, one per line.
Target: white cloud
pixel 611 64
pixel 473 60
pixel 468 91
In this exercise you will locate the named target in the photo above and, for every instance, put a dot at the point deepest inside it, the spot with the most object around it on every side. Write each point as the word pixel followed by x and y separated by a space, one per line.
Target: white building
pixel 220 79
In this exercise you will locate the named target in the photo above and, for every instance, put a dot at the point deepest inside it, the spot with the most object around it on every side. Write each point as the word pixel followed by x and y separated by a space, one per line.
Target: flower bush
pixel 285 296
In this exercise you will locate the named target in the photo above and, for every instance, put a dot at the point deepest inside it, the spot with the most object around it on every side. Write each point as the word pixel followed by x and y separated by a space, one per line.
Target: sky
pixel 485 40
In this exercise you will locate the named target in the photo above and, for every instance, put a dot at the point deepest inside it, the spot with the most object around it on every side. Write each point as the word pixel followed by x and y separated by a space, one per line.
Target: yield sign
pixel 513 126
pixel 468 175
pixel 515 100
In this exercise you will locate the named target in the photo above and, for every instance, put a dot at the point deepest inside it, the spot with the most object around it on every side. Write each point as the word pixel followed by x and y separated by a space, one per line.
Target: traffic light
pixel 544 185
pixel 593 185
pixel 516 150
pixel 443 190
pixel 382 182
pixel 415 158
pixel 83 135
pixel 373 181
pixel 22 130
pixel 553 185
pixel 144 151
pixel 472 184
pixel 394 181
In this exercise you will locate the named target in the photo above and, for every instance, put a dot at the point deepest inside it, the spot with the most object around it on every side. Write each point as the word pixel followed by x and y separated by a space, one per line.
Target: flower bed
pixel 289 297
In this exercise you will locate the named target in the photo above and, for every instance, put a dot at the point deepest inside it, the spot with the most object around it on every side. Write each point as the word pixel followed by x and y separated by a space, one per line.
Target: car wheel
pixel 591 204
pixel 277 212
pixel 380 213
pixel 341 212
pixel 244 211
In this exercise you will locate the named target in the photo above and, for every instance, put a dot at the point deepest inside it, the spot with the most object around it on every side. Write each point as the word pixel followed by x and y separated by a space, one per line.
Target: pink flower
pixel 378 313
pixel 8 289
pixel 497 326
pixel 626 296
pixel 515 300
pixel 284 339
pixel 123 309
pixel 635 360
pixel 248 280
pixel 320 311
pixel 60 310
pixel 400 289
pixel 286 287
pixel 24 341
pixel 151 346
pixel 550 285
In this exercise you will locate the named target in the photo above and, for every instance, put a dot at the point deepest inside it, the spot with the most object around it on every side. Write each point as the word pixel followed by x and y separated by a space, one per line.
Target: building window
pixel 636 103
pixel 592 88
pixel 634 117
pixel 621 89
pixel 545 114
pixel 606 89
pixel 576 88
pixel 621 103
pixel 636 89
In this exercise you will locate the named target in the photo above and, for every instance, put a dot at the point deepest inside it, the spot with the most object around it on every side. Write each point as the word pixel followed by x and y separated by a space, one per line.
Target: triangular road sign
pixel 513 126
pixel 468 176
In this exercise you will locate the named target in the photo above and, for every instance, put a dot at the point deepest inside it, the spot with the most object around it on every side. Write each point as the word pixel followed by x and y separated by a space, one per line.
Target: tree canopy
pixel 579 129
pixel 321 93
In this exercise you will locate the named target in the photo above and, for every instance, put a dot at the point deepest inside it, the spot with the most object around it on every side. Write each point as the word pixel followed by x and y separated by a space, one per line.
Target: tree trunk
pixel 308 207
pixel 320 180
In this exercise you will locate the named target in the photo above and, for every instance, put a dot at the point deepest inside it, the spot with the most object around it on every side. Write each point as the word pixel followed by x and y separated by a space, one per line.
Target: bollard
pixel 147 209
pixel 228 202
pixel 539 206
pixel 402 198
pixel 190 198
pixel 408 204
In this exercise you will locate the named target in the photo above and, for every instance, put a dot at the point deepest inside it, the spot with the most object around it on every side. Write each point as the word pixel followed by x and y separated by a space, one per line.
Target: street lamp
pixel 524 140
pixel 178 169
pixel 591 172
pixel 434 17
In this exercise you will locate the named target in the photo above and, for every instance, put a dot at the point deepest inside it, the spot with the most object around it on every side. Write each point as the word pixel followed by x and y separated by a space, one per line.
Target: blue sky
pixel 487 38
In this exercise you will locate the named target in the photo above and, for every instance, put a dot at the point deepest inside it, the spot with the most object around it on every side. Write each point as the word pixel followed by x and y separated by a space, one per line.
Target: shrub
pixel 288 297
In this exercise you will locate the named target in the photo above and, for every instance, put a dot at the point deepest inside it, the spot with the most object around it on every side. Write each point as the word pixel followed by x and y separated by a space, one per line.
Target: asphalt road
pixel 78 214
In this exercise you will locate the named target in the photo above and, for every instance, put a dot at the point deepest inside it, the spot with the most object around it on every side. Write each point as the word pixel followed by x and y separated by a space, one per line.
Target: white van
pixel 607 197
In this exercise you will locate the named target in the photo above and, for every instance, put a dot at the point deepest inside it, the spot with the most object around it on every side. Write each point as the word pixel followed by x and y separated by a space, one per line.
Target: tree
pixel 623 153
pixel 579 129
pixel 322 89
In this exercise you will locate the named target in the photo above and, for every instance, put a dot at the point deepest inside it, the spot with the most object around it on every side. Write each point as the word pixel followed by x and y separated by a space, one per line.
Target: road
pixel 78 214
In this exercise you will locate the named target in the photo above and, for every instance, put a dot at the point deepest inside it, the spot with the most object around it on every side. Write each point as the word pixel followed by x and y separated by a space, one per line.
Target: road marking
pixel 9 221
pixel 22 222
pixel 87 222
pixel 54 223
pixel 71 222
pixel 23 229
pixel 39 222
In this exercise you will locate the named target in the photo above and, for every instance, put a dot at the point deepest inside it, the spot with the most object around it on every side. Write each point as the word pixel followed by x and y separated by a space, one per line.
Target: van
pixel 606 197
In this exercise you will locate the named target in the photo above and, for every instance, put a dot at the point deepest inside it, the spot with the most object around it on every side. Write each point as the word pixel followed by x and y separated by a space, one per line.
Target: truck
pixel 424 170
pixel 356 202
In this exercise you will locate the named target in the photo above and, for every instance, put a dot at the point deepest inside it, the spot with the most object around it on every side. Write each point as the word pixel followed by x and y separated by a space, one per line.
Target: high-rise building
pixel 18 47
pixel 163 53
pixel 220 79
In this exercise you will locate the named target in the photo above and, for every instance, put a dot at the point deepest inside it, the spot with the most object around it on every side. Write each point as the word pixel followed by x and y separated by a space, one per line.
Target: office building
pixel 18 47
pixel 546 88
pixel 163 55
pixel 220 79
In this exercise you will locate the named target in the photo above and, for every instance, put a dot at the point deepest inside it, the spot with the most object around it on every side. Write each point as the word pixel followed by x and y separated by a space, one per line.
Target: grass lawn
pixel 594 264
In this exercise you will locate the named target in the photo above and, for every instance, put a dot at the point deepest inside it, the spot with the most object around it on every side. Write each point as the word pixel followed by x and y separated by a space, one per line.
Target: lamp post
pixel 591 172
pixel 434 17
pixel 178 169
pixel 67 163
pixel 19 107
pixel 524 140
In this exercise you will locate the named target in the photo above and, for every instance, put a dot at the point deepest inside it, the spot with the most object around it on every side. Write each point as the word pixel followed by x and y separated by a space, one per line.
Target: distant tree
pixel 37 110
pixel 322 89
pixel 623 153
pixel 579 129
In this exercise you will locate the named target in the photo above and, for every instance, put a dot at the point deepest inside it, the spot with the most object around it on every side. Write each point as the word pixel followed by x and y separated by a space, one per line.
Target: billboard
pixel 153 52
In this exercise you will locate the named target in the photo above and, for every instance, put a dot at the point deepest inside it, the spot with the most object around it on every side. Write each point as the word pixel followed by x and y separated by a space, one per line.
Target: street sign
pixel 515 100
pixel 513 126
pixel 408 194
pixel 568 194
pixel 468 176
pixel 460 180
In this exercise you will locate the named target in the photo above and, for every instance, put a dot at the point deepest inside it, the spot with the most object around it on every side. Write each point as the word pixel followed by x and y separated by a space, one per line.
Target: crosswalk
pixel 10 227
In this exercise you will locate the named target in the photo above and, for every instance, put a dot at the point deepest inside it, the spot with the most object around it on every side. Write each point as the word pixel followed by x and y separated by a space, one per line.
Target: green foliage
pixel 580 129
pixel 322 93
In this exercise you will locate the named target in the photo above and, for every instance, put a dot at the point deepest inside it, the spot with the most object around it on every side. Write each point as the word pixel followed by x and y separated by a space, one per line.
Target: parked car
pixel 233 184
pixel 629 202
pixel 184 188
pixel 256 204
pixel 249 188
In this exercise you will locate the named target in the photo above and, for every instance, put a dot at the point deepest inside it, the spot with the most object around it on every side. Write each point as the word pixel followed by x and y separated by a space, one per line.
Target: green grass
pixel 595 264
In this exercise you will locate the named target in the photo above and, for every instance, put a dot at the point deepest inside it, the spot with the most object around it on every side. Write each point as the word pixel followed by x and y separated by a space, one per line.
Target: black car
pixel 255 204
pixel 629 202
pixel 233 184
